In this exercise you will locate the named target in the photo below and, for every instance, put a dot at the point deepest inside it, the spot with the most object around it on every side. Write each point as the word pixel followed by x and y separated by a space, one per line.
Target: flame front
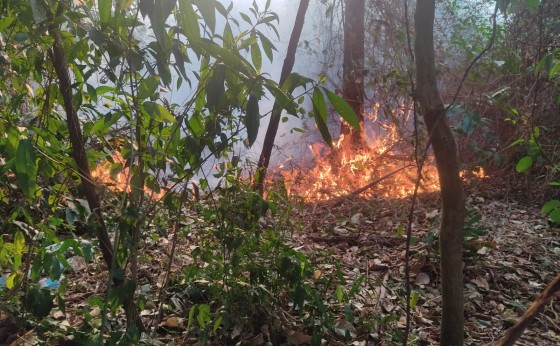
pixel 342 170
pixel 117 177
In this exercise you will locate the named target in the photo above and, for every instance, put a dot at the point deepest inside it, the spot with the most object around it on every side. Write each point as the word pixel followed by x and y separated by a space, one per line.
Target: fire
pixel 342 170
pixel 116 176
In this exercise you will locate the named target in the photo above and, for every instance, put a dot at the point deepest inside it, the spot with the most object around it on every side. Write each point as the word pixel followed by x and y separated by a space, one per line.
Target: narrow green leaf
pixel 320 111
pixel 215 87
pixel 158 17
pixel 227 37
pixel 207 9
pixel 554 70
pixel 344 109
pixel 281 98
pixel 267 45
pixel 189 20
pixel 104 8
pixel 252 119
pixel 204 318
pixel 295 80
pixel 246 18
pixel 26 168
pixel 231 60
pixel 256 56
pixel 524 164
pixel 414 295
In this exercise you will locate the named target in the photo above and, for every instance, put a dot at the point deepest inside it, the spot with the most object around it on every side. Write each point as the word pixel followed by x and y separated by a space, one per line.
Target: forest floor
pixel 512 258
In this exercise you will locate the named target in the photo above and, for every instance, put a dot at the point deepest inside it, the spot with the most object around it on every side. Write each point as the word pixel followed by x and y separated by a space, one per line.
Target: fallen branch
pixel 338 201
pixel 536 307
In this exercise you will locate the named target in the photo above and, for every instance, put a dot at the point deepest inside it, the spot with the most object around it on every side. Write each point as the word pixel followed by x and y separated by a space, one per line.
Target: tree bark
pixel 77 141
pixel 452 195
pixel 264 159
pixel 80 158
pixel 353 66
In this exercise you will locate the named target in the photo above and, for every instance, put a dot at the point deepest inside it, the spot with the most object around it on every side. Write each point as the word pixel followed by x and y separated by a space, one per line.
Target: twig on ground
pixel 536 307
pixel 338 201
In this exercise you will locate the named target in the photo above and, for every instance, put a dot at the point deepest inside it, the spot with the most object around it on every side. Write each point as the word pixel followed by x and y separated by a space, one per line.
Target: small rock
pixel 77 263
pixel 356 218
pixel 422 279
pixel 340 230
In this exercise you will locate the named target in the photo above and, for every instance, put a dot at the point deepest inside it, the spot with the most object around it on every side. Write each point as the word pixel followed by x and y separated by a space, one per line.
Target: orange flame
pixel 343 170
pixel 117 177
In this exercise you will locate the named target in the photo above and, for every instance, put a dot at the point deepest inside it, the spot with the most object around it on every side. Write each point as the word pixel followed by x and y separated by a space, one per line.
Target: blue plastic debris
pixel 48 283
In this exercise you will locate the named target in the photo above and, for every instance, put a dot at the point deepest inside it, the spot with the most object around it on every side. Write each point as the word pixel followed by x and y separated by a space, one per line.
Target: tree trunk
pixel 264 159
pixel 453 204
pixel 80 158
pixel 353 66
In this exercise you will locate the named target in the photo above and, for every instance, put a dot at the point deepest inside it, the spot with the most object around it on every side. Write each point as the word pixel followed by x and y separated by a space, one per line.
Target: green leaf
pixel 233 61
pixel 215 87
pixel 256 56
pixel 227 37
pixel 13 279
pixel 524 164
pixel 339 294
pixel 252 119
pixel 19 242
pixel 554 70
pixel 320 111
pixel 414 295
pixel 148 87
pixel 104 8
pixel 267 45
pixel 554 183
pixel 204 318
pixel 344 109
pixel 39 302
pixel 26 168
pixel 38 8
pixel 189 20
pixel 555 215
pixel 207 9
pixel 158 17
pixel 158 112
pixel 550 206
pixel 295 80
pixel 281 98
pixel 299 296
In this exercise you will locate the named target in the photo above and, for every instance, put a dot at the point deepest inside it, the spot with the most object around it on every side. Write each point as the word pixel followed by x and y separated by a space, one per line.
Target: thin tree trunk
pixel 353 66
pixel 264 159
pixel 452 195
pixel 77 141
pixel 80 158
